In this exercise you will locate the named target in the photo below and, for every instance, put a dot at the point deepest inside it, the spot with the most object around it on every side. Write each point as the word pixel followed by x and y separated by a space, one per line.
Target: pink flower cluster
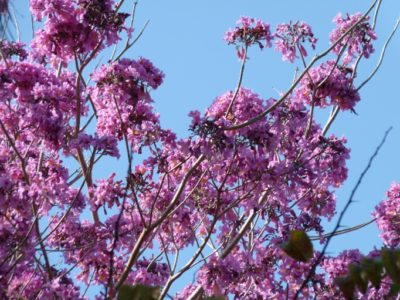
pixel 74 27
pixel 359 41
pixel 107 145
pixel 14 48
pixel 328 85
pixel 35 100
pixel 107 193
pixel 289 37
pixel 387 214
pixel 122 99
pixel 252 31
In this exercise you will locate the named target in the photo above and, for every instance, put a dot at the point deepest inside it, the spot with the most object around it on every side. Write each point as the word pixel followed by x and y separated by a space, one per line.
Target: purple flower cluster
pixel 289 37
pixel 359 41
pixel 387 214
pixel 35 100
pixel 14 48
pixel 74 27
pixel 252 31
pixel 103 144
pixel 107 193
pixel 328 85
pixel 122 99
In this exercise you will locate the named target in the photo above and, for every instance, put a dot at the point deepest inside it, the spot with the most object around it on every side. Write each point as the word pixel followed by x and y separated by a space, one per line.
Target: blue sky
pixel 184 39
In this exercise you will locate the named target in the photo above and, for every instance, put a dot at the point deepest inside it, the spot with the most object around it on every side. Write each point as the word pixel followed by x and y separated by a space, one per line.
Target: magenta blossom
pixel 359 40
pixel 387 214
pixel 290 37
pixel 338 89
pixel 252 31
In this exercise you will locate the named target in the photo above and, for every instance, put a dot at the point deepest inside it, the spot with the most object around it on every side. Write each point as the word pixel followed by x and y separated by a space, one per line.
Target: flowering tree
pixel 253 177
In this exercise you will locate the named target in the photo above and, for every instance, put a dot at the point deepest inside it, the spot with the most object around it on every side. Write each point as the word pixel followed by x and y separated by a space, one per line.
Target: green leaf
pixel 359 276
pixel 138 292
pixel 298 247
pixel 125 292
pixel 394 290
pixel 346 285
pixel 373 268
pixel 391 262
pixel 215 298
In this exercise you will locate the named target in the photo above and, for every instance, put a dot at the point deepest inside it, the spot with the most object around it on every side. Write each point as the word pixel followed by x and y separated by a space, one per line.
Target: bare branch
pixel 127 46
pixel 16 23
pixel 239 83
pixel 333 116
pixel 382 55
pixel 339 232
pixel 197 293
pixel 376 14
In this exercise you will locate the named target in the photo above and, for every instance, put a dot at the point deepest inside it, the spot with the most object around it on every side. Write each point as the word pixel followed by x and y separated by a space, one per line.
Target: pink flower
pixel 387 214
pixel 338 88
pixel 359 41
pixel 252 31
pixel 289 37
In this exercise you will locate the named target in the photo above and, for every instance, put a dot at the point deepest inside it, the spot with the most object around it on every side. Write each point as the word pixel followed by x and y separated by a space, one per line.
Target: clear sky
pixel 184 39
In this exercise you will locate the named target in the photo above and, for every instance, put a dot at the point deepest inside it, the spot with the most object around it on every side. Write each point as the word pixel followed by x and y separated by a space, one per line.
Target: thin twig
pixel 189 194
pixel 131 24
pixel 295 74
pixel 339 232
pixel 88 122
pixel 87 172
pixel 77 263
pixel 128 151
pixel 5 27
pixel 32 27
pixel 336 63
pixel 16 22
pixel 376 14
pixel 310 119
pixel 381 57
pixel 166 254
pixel 331 119
pixel 242 230
pixel 77 177
pixel 118 6
pixel 116 230
pixel 204 258
pixel 79 69
pixel 131 44
pixel 238 85
pixel 90 281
